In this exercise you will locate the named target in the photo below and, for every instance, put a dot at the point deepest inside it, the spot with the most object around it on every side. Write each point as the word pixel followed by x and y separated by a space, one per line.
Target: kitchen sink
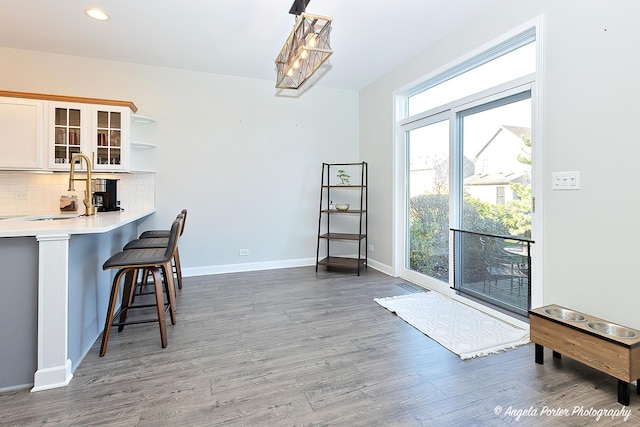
pixel 9 216
pixel 564 314
pixel 612 329
pixel 53 217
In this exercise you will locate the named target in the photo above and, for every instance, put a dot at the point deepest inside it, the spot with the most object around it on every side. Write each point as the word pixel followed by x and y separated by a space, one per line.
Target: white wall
pixel 245 162
pixel 591 94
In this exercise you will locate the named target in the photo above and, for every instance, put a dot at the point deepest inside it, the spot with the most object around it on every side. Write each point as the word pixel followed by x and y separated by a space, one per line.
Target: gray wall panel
pixel 19 314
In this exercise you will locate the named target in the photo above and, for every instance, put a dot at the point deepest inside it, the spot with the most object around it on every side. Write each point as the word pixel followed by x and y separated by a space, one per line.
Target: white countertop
pixel 102 222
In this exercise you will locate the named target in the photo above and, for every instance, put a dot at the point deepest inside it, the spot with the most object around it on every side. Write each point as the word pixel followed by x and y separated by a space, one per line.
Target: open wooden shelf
pixel 342 236
pixel 343 262
pixel 353 193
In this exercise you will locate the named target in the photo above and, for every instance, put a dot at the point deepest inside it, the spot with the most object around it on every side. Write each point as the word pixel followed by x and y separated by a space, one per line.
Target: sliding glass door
pixel 465 152
pixel 469 170
pixel 494 204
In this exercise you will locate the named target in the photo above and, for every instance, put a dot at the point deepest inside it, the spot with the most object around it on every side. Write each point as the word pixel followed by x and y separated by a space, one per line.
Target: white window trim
pixel 501 91
pixel 400 118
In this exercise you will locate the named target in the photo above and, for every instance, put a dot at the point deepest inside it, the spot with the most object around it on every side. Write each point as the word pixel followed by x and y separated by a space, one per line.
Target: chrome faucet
pixel 89 209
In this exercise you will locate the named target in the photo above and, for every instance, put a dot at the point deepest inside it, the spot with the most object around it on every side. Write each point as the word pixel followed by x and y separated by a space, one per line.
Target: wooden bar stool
pixel 156 261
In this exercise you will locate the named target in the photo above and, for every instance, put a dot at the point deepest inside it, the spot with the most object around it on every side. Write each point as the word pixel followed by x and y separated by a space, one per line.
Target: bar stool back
pixel 164 233
pixel 161 242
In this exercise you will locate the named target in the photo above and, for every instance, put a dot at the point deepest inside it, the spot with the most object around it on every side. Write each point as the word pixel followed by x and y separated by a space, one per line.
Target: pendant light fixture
pixel 306 48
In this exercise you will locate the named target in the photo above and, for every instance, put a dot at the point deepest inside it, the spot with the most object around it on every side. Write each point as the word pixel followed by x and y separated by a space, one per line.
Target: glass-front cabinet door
pixel 110 138
pixel 69 123
pixel 100 132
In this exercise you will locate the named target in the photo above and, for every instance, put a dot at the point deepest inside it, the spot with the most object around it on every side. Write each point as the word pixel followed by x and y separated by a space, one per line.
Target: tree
pixel 429 229
pixel 525 156
pixel 429 235
pixel 521 208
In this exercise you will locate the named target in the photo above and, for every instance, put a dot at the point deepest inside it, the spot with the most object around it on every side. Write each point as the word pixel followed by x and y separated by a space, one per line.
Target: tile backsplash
pixel 28 192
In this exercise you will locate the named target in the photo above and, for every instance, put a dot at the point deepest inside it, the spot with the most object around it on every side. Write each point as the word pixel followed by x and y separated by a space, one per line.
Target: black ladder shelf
pixel 342 233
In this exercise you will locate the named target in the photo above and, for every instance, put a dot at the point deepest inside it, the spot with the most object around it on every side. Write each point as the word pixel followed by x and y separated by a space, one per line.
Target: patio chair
pixel 502 265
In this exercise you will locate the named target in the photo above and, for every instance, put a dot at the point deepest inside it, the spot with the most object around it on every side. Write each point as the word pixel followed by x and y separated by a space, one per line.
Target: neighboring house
pixel 432 177
pixel 497 165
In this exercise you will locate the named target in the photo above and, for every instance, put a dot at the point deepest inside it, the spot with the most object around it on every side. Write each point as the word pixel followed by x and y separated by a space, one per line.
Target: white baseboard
pixel 268 265
pixel 251 266
pixel 383 268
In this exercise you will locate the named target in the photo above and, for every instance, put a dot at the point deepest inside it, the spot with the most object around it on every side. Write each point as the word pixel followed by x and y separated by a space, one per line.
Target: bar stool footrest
pixel 133 322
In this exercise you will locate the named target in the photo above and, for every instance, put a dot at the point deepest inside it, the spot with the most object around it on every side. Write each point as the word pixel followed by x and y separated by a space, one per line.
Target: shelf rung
pixel 342 236
pixel 342 262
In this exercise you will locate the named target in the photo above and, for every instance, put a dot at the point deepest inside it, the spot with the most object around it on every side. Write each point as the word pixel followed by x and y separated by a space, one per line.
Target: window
pixel 500 196
pixel 516 63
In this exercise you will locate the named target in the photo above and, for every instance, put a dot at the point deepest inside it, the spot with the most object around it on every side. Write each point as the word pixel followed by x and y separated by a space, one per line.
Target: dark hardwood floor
pixel 292 348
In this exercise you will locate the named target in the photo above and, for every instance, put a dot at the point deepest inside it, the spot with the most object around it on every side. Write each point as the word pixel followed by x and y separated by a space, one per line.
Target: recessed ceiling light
pixel 97 14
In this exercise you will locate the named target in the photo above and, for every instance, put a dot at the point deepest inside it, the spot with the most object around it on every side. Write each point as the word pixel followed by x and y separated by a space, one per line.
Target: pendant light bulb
pixel 312 41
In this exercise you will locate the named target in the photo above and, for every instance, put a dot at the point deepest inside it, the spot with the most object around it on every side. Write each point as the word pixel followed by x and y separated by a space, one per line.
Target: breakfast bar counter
pixel 72 289
pixel 38 224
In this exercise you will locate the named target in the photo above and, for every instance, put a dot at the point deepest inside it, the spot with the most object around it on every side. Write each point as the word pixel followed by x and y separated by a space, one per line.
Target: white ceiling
pixel 234 37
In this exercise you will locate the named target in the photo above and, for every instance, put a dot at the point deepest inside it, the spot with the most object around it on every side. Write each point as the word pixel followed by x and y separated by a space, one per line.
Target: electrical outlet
pixel 243 252
pixel 371 247
pixel 565 180
pixel 20 195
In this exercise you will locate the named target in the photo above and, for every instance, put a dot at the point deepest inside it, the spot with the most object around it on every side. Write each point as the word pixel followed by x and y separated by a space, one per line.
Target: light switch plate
pixel 565 180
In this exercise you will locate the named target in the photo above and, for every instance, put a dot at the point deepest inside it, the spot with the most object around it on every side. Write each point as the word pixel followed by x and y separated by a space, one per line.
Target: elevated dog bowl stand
pixel 613 355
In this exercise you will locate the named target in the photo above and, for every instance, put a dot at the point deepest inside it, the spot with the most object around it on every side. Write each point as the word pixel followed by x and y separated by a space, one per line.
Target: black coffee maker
pixel 105 194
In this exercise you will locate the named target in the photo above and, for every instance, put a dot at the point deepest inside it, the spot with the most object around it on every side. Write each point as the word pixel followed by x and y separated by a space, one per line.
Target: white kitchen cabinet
pixel 99 131
pixel 110 138
pixel 21 133
pixel 43 131
pixel 68 133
